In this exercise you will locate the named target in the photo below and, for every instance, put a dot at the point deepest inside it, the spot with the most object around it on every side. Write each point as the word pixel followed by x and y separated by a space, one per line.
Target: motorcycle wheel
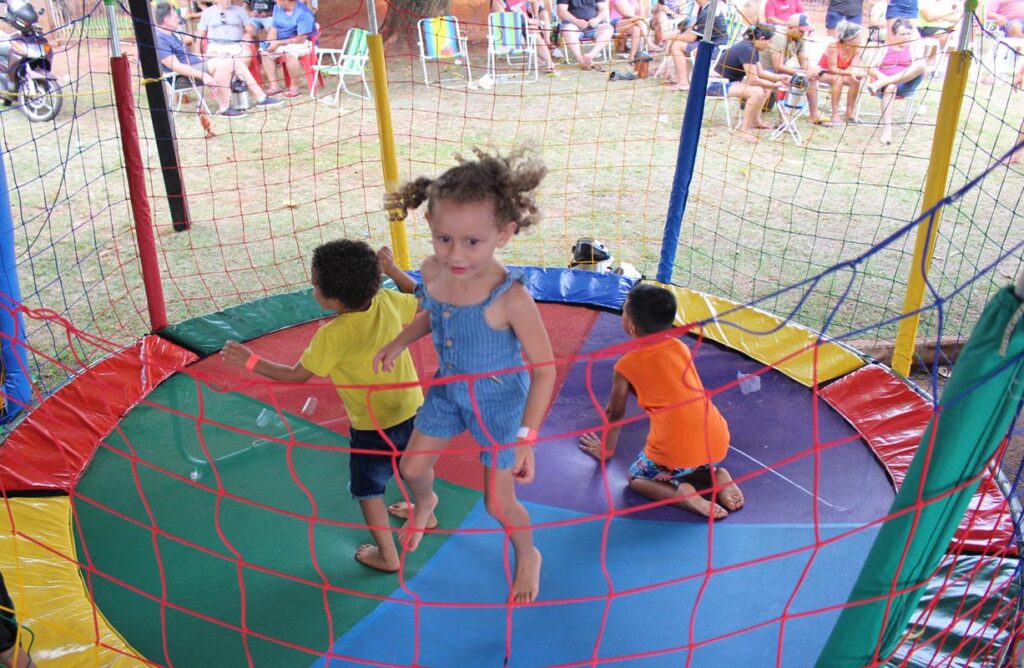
pixel 40 99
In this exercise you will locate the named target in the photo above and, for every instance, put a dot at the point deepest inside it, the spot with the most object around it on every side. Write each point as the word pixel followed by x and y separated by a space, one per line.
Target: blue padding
pixel 574 286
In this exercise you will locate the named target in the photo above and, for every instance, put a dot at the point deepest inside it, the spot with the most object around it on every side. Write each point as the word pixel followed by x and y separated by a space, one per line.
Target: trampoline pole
pixel 17 388
pixel 953 88
pixel 382 105
pixel 689 137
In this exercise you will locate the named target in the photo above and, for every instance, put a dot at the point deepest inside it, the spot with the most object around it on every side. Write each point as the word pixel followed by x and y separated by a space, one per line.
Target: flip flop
pixel 274 91
pixel 290 93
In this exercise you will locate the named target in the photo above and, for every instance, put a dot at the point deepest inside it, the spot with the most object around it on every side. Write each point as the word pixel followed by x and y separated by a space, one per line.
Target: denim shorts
pixel 832 19
pixel 586 33
pixel 448 411
pixel 901 9
pixel 644 468
pixel 369 473
pixel 907 88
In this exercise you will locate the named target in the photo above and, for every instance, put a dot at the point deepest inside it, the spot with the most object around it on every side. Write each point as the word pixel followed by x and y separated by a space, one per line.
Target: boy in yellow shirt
pixel 346 278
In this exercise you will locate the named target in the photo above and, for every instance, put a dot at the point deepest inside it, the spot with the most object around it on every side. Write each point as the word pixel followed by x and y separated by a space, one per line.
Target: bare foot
pixel 730 494
pixel 679 87
pixel 400 509
pixel 591 444
pixel 369 555
pixel 586 61
pixel 701 506
pixel 526 584
pixel 411 534
pixel 746 135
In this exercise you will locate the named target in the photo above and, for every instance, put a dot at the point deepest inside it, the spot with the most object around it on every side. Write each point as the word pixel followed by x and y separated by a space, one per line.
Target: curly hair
pixel 651 308
pixel 507 180
pixel 348 271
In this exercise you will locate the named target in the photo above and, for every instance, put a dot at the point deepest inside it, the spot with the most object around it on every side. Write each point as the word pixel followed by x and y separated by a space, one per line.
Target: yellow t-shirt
pixel 344 348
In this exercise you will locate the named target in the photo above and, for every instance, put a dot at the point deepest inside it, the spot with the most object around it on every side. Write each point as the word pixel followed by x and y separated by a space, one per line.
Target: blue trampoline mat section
pixel 656 570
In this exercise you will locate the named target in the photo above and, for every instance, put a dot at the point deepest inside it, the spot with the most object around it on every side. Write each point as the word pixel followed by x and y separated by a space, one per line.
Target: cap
pixel 800 21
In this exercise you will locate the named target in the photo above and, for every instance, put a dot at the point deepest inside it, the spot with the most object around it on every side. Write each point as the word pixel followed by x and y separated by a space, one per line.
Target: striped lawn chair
pixel 349 60
pixel 508 38
pixel 441 41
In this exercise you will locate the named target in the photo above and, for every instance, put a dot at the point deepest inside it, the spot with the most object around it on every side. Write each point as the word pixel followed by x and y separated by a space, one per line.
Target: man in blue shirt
pixel 585 19
pixel 289 39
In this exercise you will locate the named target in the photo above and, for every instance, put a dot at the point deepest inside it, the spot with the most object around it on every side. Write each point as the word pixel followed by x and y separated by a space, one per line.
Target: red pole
pixel 137 192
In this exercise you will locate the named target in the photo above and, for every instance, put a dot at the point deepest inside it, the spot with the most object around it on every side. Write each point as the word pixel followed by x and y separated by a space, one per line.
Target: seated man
pixel 174 57
pixel 224 26
pixel 788 44
pixel 289 38
pixel 261 15
pixel 585 19
pixel 681 45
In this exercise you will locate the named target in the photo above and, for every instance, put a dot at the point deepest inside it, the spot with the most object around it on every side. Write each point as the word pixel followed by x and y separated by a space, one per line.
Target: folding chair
pixel 603 56
pixel 181 86
pixel 441 40
pixel 508 38
pixel 349 60
pixel 718 87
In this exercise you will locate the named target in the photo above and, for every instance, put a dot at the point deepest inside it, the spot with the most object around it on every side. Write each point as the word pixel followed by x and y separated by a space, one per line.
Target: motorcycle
pixel 26 60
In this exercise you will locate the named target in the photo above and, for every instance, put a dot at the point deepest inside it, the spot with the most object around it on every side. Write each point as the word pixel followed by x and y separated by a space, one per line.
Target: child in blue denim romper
pixel 483 322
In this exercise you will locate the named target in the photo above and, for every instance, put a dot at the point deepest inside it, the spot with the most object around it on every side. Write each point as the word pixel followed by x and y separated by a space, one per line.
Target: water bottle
pixel 268 418
pixel 239 95
pixel 750 385
pixel 796 91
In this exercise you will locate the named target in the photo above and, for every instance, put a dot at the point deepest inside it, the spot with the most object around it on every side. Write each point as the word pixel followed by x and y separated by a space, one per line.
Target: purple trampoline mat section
pixel 772 456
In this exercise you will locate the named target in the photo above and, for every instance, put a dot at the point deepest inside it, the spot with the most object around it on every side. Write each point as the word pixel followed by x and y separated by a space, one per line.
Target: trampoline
pixel 206 519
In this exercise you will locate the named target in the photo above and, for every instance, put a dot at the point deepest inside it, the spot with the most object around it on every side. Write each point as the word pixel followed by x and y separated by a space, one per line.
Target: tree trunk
pixel 400 24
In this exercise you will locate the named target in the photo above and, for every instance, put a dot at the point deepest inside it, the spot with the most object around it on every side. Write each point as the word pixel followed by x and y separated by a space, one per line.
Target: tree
pixel 400 23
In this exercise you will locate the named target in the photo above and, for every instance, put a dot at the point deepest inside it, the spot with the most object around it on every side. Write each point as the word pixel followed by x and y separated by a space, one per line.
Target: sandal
pixel 291 93
pixel 820 122
pixel 271 92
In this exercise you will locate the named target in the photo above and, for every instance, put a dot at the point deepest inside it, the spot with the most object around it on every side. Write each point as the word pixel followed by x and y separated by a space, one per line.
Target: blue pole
pixel 688 138
pixel 17 388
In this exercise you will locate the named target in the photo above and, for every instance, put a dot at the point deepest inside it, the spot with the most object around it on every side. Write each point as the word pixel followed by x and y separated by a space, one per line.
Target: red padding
pixel 51 448
pixel 892 418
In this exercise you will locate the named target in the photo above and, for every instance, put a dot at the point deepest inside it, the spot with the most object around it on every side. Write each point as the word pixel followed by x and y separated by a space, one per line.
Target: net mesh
pixel 815 232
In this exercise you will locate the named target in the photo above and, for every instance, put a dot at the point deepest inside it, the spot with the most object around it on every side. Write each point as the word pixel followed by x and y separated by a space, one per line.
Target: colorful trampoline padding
pixel 892 418
pixel 49 450
pixel 37 557
pixel 800 353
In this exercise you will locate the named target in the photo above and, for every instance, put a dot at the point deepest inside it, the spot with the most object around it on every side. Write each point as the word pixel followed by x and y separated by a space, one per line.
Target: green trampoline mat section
pixel 229 539
pixel 206 334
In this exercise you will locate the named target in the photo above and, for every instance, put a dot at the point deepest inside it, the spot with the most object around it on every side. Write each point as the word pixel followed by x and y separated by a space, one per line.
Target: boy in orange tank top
pixel 688 437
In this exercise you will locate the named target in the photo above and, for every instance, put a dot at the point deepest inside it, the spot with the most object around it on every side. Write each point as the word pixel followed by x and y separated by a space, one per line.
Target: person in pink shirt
pixel 777 12
pixel 1008 15
pixel 629 17
pixel 898 75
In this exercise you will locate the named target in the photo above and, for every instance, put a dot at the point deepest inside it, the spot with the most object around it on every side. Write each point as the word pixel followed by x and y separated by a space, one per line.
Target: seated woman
pixel 629 17
pixel 840 66
pixel 937 20
pixel 682 44
pixel 538 22
pixel 741 67
pixel 898 75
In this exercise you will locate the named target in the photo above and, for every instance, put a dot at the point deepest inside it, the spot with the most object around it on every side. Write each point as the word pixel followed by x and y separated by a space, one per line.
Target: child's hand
pixel 525 465
pixel 235 354
pixel 591 444
pixel 385 358
pixel 386 259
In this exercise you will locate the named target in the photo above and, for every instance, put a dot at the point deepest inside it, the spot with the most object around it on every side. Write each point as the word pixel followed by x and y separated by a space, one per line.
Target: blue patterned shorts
pixel 644 468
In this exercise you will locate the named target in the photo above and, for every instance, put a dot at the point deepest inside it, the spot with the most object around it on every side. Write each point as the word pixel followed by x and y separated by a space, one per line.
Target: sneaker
pixel 231 112
pixel 269 102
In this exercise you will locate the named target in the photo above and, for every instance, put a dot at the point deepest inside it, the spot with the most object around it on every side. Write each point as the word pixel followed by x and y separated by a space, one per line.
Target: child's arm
pixel 238 355
pixel 385 358
pixel 387 264
pixel 614 411
pixel 524 317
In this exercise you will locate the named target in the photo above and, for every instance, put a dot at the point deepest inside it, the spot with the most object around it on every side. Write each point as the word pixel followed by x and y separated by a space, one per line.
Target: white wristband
pixel 526 434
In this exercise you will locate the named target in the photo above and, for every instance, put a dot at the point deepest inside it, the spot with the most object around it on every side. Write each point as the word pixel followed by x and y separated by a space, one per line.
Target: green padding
pixel 206 334
pixel 307 480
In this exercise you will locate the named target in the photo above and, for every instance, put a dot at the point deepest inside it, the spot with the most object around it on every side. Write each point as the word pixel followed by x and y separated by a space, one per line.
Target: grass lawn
pixel 272 185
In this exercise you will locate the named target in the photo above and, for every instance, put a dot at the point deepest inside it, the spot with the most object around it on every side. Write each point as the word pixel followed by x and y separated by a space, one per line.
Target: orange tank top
pixel 686 428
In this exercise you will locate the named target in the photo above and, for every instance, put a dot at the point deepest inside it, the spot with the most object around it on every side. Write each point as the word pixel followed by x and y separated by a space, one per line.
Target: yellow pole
pixel 382 103
pixel 934 190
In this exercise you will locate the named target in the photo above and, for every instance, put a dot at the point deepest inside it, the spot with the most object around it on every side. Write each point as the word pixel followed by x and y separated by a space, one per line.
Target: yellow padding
pixel 37 557
pixel 765 337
